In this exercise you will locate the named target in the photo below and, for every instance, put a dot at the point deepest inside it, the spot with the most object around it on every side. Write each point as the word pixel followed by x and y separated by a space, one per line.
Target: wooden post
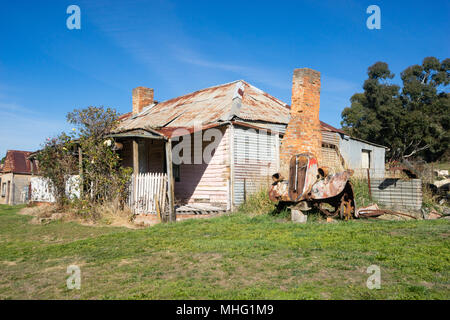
pixel 368 182
pixel 245 189
pixel 135 147
pixel 80 170
pixel 231 151
pixel 135 157
pixel 170 182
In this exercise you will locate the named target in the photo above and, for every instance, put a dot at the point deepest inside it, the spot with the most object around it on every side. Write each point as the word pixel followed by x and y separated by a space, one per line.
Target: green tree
pixel 104 179
pixel 411 122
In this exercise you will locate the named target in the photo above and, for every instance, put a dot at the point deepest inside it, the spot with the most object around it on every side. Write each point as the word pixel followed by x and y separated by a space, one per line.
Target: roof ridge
pixel 264 92
pixel 197 91
pixel 13 150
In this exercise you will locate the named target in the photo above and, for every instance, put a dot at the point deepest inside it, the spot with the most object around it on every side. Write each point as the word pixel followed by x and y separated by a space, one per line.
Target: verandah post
pixel 170 181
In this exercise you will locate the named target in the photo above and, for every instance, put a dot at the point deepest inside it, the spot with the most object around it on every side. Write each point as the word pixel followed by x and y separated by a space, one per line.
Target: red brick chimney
pixel 142 97
pixel 303 133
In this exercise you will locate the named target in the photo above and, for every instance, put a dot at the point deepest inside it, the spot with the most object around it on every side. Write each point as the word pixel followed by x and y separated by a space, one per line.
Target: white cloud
pixel 13 107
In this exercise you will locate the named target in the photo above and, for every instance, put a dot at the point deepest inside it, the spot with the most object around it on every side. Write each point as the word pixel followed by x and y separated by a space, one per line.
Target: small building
pixel 15 176
pixel 229 139
pixel 339 150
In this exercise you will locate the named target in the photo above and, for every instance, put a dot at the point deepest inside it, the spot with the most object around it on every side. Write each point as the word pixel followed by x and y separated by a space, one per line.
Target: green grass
pixel 361 190
pixel 230 257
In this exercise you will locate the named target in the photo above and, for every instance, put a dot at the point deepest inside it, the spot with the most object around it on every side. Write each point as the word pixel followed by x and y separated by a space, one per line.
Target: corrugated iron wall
pixel 397 193
pixel 255 159
pixel 330 137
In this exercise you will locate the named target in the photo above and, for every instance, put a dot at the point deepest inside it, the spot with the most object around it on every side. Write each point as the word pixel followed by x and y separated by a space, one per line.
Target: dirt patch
pixel 109 216
pixel 125 262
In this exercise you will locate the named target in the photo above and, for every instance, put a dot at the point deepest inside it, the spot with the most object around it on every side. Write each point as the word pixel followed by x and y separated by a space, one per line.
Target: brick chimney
pixel 303 133
pixel 142 97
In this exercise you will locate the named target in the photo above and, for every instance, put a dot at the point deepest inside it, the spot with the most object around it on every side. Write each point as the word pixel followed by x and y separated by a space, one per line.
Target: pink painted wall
pixel 207 182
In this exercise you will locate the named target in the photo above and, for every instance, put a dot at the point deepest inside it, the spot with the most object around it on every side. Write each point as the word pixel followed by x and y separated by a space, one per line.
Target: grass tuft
pixel 257 203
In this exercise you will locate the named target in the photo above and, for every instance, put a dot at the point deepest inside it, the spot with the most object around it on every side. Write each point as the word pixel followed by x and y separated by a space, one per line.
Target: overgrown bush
pixel 103 179
pixel 57 162
pixel 361 190
pixel 258 203
pixel 429 199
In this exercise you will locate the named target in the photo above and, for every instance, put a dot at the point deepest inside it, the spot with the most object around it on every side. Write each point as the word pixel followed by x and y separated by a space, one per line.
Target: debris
pixel 331 220
pixel 433 215
pixel 441 183
pixel 408 171
pixel 445 211
pixel 373 211
pixel 441 173
pixel 366 210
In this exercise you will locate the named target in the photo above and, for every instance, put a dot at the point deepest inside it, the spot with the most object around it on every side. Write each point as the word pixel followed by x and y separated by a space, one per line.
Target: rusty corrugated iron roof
pixel 210 107
pixel 17 162
pixel 327 127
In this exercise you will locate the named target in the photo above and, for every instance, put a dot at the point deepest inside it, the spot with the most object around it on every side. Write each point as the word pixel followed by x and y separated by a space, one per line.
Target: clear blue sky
pixel 176 47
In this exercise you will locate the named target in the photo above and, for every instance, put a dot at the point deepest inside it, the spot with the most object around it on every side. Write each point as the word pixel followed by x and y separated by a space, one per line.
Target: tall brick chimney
pixel 142 97
pixel 303 133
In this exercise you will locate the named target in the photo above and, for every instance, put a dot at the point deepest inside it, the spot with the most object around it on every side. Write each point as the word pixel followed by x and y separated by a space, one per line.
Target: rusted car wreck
pixel 310 186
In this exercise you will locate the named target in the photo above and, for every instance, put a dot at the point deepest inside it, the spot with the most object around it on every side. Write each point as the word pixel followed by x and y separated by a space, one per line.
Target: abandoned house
pixel 237 135
pixel 15 175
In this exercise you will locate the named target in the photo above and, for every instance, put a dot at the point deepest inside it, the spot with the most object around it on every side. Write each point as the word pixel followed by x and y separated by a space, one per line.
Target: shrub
pixel 56 163
pixel 103 179
pixel 361 190
pixel 258 203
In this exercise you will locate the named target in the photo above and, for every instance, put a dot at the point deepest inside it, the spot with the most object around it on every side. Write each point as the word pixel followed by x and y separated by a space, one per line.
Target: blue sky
pixel 176 47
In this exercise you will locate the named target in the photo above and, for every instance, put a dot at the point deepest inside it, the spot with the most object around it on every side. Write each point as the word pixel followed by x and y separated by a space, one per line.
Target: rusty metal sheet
pixel 331 186
pixel 302 176
pixel 210 105
pixel 279 191
pixel 237 99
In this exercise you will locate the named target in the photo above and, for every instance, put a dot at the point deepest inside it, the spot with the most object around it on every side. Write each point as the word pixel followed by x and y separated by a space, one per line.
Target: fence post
pixel 80 170
pixel 245 189
pixel 368 182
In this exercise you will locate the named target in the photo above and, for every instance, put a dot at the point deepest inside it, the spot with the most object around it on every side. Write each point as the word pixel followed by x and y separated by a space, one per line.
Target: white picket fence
pixel 42 189
pixel 145 189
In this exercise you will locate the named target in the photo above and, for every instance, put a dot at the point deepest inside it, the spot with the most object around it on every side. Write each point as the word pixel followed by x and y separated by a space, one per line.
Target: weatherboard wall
pixel 206 182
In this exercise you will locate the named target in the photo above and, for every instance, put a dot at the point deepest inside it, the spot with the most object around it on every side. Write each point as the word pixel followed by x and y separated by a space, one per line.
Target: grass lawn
pixel 228 257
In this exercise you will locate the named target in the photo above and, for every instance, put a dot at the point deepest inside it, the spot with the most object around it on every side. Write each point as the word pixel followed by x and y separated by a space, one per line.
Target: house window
pixel 176 172
pixel 365 159
pixel 3 189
